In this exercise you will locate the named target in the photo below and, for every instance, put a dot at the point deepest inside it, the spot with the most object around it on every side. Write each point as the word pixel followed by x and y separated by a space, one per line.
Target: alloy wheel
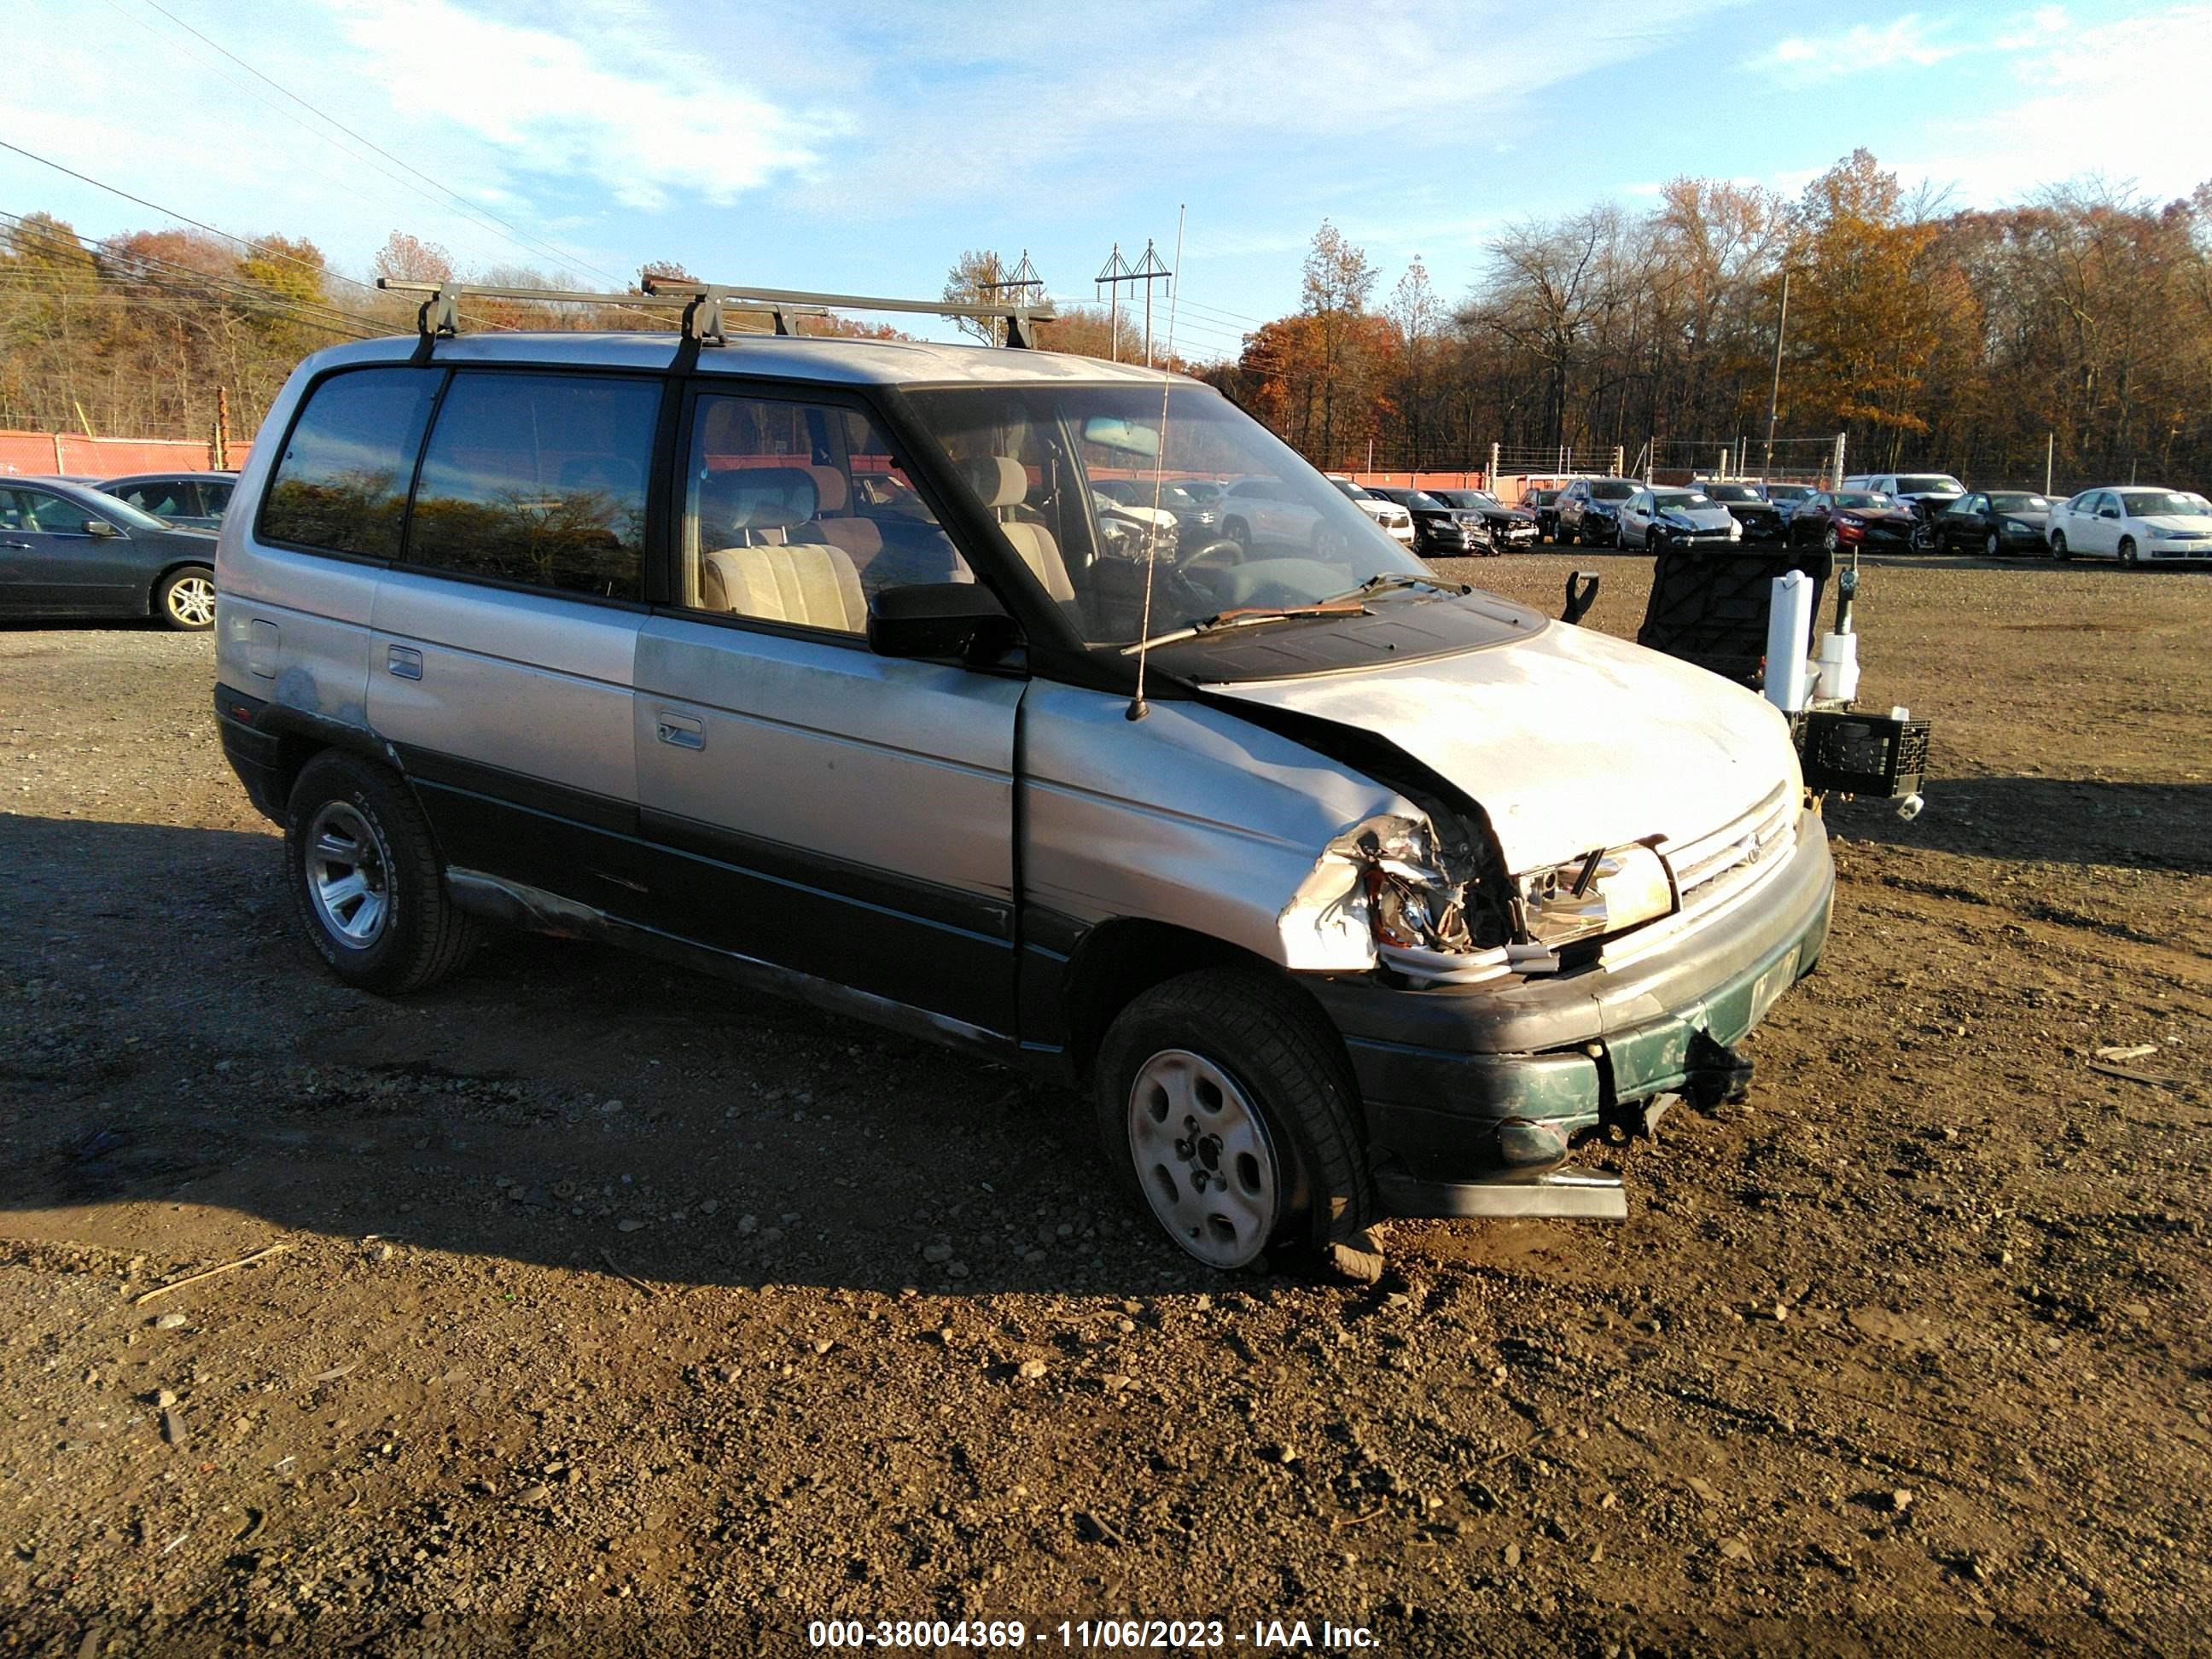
pixel 191 601
pixel 1204 1157
pixel 348 875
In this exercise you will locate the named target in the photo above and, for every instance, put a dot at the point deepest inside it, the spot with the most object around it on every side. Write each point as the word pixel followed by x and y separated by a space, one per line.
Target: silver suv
pixel 1341 891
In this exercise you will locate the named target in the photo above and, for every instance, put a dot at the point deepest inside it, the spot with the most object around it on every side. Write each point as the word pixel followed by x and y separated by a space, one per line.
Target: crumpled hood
pixel 1570 740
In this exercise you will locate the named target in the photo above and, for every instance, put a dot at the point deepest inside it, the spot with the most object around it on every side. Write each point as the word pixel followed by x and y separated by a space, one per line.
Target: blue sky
pixel 860 146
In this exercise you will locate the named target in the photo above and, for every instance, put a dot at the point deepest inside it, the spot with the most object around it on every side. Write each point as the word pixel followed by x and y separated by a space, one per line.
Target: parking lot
pixel 623 1308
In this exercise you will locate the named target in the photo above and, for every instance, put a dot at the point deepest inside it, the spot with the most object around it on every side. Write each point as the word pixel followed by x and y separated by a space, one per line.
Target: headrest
pixel 830 491
pixel 997 480
pixel 756 498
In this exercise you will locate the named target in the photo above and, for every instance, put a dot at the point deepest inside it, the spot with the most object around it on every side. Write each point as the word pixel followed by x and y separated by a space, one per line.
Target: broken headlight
pixel 1600 893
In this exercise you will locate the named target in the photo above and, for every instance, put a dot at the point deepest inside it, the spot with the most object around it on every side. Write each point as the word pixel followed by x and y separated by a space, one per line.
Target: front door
pixel 832 813
pixel 50 562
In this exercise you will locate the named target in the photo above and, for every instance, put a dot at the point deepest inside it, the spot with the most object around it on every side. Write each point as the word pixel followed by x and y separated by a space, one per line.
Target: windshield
pixel 1680 501
pixel 1611 489
pixel 1930 483
pixel 1721 492
pixel 2163 504
pixel 117 511
pixel 1032 455
pixel 2013 502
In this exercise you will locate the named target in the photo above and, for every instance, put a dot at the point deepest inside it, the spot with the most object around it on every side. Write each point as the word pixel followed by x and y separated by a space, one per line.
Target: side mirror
pixel 936 619
pixel 99 527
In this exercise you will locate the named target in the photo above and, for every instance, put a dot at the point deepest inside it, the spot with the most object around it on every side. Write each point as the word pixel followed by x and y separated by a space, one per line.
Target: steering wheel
pixel 1218 554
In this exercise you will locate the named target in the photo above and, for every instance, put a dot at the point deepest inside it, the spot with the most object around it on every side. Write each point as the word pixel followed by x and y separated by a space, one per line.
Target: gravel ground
pixel 623 1312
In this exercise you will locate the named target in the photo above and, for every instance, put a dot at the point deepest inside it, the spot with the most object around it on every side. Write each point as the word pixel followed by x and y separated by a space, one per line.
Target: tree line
pixel 1964 341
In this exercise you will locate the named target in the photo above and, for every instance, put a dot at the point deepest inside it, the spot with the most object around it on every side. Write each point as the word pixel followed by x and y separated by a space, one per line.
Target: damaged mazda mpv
pixel 1343 891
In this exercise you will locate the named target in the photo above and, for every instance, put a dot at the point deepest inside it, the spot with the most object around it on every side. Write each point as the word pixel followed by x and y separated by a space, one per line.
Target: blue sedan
pixel 68 550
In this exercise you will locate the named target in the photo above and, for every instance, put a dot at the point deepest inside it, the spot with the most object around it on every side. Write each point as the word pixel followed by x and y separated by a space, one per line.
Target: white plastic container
pixel 1837 664
pixel 1789 636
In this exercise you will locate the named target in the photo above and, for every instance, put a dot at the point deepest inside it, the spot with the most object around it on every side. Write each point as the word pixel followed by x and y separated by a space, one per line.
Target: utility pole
pixel 221 458
pixel 1026 279
pixel 1774 392
pixel 1147 270
pixel 2050 439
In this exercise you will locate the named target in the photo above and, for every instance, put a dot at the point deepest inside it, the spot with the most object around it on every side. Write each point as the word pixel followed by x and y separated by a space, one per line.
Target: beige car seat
pixel 1001 483
pixel 764 573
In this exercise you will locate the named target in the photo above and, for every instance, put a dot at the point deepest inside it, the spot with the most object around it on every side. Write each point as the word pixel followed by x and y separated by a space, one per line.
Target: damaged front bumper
pixel 1463 1085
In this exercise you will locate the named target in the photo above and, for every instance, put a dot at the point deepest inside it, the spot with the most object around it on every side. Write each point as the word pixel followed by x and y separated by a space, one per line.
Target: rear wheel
pixel 184 599
pixel 1224 1104
pixel 367 879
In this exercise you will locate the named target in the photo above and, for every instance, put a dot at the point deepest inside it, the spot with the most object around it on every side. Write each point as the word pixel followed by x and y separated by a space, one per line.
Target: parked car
pixel 1509 528
pixel 1761 519
pixel 1194 522
pixel 1657 519
pixel 191 501
pixel 1127 528
pixel 2134 525
pixel 1266 514
pixel 1785 499
pixel 1999 521
pixel 1385 891
pixel 1589 511
pixel 1543 503
pixel 1393 518
pixel 70 550
pixel 1440 531
pixel 1841 519
pixel 1924 494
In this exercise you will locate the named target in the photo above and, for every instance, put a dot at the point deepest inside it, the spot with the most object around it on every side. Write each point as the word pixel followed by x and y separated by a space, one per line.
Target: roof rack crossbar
pixel 779 301
pixel 702 308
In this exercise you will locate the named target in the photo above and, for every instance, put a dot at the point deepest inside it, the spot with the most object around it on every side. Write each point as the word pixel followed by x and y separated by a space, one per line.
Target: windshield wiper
pixel 1384 581
pixel 1247 617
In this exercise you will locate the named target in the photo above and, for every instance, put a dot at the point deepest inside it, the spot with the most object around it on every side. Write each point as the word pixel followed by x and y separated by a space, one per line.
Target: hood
pixel 2195 522
pixel 1701 517
pixel 1569 740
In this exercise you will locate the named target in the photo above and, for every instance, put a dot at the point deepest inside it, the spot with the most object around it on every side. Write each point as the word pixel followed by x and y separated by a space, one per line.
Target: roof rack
pixel 704 303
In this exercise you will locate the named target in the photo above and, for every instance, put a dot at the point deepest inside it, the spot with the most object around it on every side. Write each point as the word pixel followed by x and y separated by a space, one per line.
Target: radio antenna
pixel 1137 709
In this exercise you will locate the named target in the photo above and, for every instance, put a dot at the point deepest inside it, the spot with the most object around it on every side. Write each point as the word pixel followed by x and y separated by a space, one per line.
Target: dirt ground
pixel 624 1312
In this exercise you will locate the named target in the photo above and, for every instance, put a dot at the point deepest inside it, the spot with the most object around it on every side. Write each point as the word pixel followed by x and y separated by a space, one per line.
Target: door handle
pixel 680 730
pixel 403 662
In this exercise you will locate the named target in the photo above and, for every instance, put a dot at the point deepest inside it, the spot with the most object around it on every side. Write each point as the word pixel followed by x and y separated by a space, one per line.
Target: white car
pixel 1392 517
pixel 2134 525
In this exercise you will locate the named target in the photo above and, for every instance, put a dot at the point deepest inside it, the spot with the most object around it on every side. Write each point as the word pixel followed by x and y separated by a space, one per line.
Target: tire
pixel 2128 555
pixel 1569 535
pixel 1992 545
pixel 2058 546
pixel 367 879
pixel 1923 538
pixel 1286 1160
pixel 1831 541
pixel 184 599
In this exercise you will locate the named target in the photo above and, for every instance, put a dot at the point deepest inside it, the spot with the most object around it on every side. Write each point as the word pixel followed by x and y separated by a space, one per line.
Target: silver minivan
pixel 1341 891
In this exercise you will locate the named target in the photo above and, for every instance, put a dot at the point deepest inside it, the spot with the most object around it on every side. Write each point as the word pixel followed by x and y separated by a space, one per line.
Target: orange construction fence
pixel 74 455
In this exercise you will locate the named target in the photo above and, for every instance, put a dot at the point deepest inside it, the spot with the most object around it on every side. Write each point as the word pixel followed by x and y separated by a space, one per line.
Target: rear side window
pixel 341 483
pixel 539 479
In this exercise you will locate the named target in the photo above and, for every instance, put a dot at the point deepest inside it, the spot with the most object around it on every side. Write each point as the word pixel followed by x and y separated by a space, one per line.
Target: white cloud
pixel 1860 50
pixel 646 122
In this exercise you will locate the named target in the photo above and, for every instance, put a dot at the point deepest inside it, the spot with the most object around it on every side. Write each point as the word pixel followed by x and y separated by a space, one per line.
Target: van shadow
pixel 2144 826
pixel 555 1102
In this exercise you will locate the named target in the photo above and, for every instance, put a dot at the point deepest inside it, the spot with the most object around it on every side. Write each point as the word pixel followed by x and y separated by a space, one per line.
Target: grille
pixel 1736 855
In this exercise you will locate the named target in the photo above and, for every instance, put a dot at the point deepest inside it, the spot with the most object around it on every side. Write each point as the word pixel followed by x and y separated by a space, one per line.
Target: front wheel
pixel 367 880
pixel 2058 546
pixel 184 599
pixel 1831 541
pixel 1923 538
pixel 2128 556
pixel 1992 545
pixel 1223 1102
pixel 1571 535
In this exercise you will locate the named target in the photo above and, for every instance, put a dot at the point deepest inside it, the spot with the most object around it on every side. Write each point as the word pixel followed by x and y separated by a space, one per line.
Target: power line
pixel 528 243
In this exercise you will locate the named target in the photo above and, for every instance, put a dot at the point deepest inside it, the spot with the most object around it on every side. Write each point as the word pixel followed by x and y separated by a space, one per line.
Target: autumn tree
pixel 1334 287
